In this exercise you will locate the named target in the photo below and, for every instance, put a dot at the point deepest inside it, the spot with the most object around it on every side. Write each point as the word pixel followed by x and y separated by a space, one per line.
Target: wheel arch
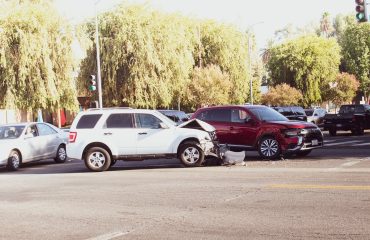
pixel 269 134
pixel 190 139
pixel 96 144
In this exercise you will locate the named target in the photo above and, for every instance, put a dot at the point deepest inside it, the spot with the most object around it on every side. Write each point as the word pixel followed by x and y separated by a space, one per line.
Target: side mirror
pixel 163 126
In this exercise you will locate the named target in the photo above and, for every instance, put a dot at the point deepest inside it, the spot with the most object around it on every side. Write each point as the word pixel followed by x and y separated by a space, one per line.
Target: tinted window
pixel 309 112
pixel 216 115
pixel 119 120
pixel 298 111
pixel 88 121
pixel 147 121
pixel 9 132
pixel 267 114
pixel 239 116
pixel 45 130
pixel 286 111
pixel 359 109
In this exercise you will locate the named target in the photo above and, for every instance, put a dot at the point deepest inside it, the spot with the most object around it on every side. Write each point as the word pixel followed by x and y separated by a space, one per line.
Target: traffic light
pixel 92 83
pixel 361 10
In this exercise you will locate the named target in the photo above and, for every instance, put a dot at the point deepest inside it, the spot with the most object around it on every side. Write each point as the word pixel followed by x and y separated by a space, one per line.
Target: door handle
pixel 143 133
pixel 108 133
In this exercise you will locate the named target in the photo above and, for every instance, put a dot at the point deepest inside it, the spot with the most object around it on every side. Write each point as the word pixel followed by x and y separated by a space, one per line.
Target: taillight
pixel 72 137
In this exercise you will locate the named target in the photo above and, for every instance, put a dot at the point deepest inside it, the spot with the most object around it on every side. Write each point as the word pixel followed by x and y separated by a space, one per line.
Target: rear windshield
pixel 267 114
pixel 309 112
pixel 88 121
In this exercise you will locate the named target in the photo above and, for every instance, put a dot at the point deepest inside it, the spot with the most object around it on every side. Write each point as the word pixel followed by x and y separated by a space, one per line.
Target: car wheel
pixel 61 156
pixel 359 130
pixel 269 148
pixel 333 132
pixel 303 153
pixel 190 154
pixel 97 159
pixel 14 161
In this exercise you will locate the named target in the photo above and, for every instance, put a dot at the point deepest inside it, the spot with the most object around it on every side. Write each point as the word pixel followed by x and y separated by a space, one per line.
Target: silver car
pixel 28 142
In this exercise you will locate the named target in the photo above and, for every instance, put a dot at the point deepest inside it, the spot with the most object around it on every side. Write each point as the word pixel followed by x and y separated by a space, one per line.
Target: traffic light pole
pixel 100 97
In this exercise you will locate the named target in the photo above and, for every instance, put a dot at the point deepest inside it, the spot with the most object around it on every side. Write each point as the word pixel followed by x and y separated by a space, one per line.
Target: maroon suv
pixel 261 128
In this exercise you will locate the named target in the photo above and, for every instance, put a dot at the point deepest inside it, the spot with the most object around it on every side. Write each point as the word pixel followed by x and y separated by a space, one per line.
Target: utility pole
pixel 250 68
pixel 100 97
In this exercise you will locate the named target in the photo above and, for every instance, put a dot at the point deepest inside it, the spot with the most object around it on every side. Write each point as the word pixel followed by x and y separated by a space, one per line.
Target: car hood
pixel 197 124
pixel 295 124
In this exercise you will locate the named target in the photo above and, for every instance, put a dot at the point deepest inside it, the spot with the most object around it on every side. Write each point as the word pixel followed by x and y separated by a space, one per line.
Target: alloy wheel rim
pixel 191 155
pixel 15 161
pixel 269 147
pixel 62 154
pixel 96 159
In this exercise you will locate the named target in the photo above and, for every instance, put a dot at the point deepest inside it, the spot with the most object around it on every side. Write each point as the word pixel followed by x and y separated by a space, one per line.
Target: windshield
pixel 267 114
pixel 11 132
pixel 168 120
pixel 309 112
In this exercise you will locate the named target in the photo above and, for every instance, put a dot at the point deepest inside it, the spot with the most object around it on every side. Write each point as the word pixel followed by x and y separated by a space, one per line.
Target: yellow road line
pixel 302 186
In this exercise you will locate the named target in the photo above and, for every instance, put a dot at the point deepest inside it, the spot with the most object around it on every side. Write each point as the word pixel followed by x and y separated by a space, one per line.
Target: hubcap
pixel 96 159
pixel 62 154
pixel 269 147
pixel 191 155
pixel 15 161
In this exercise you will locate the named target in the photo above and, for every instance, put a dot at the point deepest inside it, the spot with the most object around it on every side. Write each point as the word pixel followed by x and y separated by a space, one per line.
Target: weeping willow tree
pixel 36 60
pixel 148 58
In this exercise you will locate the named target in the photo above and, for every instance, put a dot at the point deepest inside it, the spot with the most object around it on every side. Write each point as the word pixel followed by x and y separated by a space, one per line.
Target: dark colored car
pixel 252 127
pixel 354 118
pixel 292 113
pixel 175 115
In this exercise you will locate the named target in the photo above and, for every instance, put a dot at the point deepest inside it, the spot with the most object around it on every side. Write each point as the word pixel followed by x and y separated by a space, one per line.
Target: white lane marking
pixel 349 164
pixel 363 144
pixel 341 143
pixel 109 236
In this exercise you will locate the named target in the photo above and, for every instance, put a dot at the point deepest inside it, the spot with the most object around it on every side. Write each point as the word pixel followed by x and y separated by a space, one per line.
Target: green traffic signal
pixel 361 10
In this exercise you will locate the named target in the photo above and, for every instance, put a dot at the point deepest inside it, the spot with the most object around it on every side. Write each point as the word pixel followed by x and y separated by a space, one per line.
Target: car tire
pixel 14 161
pixel 359 130
pixel 303 153
pixel 97 159
pixel 269 148
pixel 61 156
pixel 333 132
pixel 191 154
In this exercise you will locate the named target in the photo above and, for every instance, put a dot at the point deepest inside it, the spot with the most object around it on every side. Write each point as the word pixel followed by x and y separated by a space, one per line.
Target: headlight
pixel 293 132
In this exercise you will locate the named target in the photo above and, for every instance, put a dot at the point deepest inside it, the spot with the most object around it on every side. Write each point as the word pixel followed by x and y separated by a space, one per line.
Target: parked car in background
pixel 252 127
pixel 354 118
pixel 28 142
pixel 315 115
pixel 292 113
pixel 175 115
pixel 103 136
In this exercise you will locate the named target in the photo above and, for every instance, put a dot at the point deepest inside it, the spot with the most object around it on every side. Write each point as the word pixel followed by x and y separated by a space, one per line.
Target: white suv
pixel 101 137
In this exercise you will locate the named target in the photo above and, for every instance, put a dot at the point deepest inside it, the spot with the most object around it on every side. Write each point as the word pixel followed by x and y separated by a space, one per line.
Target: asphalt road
pixel 323 196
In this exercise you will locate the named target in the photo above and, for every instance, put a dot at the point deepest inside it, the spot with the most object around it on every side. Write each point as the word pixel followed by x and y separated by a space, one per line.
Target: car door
pixel 119 131
pixel 33 144
pixel 243 129
pixel 50 138
pixel 151 138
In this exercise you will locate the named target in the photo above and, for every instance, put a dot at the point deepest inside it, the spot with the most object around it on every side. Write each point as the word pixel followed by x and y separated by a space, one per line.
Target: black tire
pixel 269 148
pixel 303 153
pixel 61 155
pixel 190 154
pixel 14 161
pixel 97 159
pixel 359 130
pixel 333 132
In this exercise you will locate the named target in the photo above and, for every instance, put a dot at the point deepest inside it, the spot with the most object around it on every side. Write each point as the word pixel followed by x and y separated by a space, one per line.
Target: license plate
pixel 315 142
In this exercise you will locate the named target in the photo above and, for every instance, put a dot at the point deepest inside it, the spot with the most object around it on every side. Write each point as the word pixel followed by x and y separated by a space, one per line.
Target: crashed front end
pixel 203 126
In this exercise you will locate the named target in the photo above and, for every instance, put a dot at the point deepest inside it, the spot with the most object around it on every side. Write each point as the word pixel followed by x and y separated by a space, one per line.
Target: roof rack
pixel 110 108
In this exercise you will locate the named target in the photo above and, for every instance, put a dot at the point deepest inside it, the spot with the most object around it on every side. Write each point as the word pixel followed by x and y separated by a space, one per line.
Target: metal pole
pixel 250 69
pixel 98 58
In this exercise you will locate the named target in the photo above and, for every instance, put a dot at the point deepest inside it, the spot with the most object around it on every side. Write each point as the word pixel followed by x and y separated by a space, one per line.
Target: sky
pixel 263 17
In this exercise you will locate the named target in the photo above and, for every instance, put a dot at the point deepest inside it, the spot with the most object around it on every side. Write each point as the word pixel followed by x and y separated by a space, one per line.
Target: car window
pixel 220 115
pixel 144 120
pixel 347 109
pixel 88 121
pixel 119 120
pixel 32 131
pixel 45 129
pixel 309 112
pixel 9 132
pixel 239 116
pixel 267 114
pixel 298 111
pixel 359 109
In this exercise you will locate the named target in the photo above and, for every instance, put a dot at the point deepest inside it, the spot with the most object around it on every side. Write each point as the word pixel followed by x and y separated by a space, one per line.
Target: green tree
pixel 343 90
pixel 208 86
pixel 356 54
pixel 36 60
pixel 306 63
pixel 282 95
